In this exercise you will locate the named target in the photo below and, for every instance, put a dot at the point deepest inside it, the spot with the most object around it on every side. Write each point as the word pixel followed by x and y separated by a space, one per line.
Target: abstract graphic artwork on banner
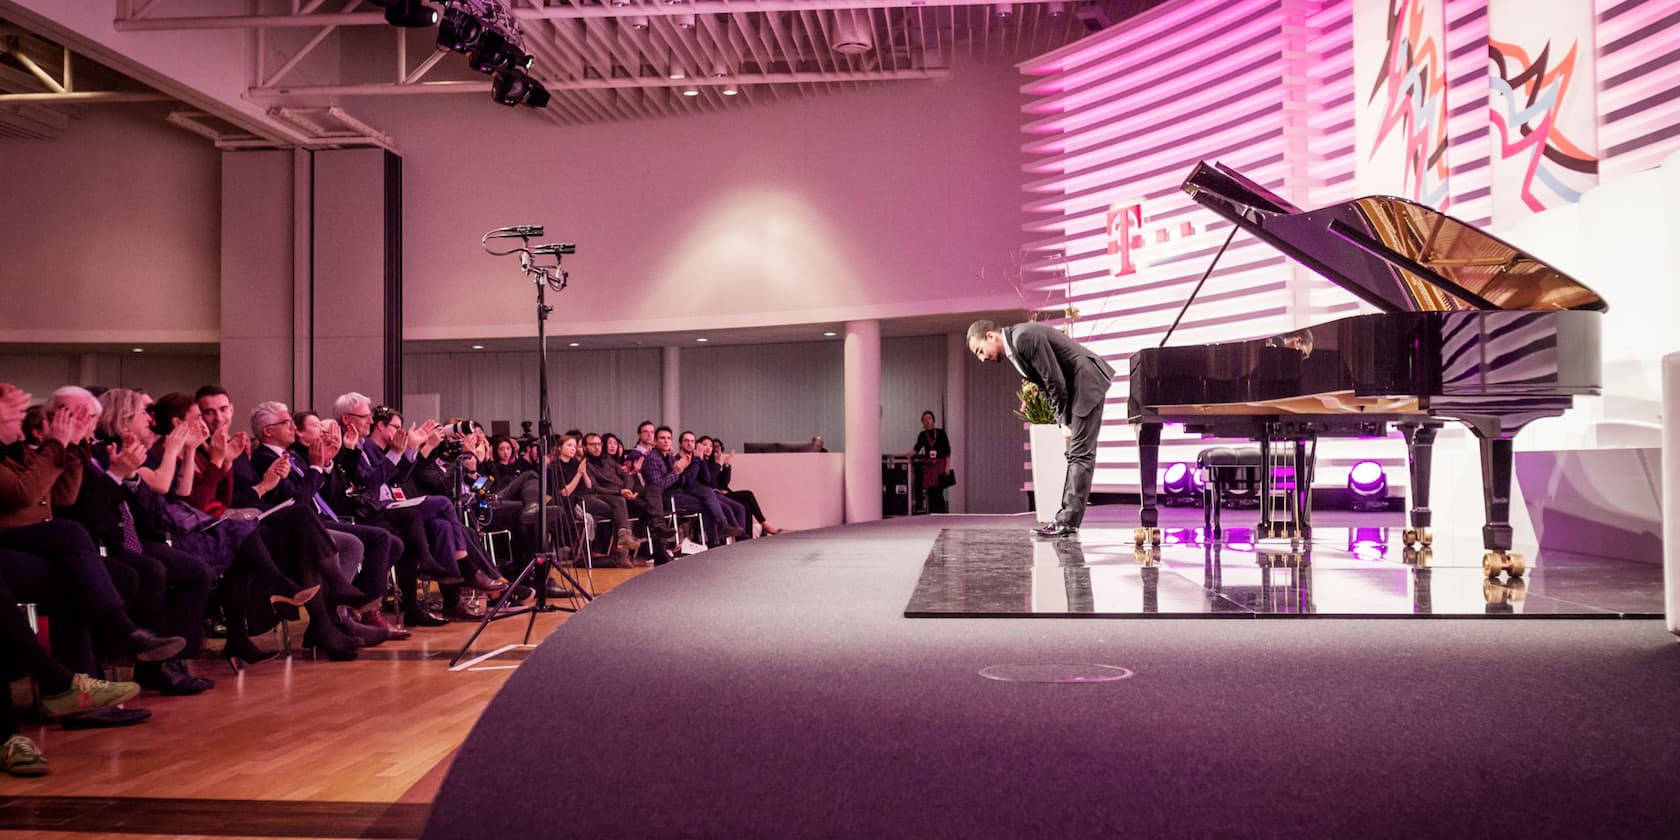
pixel 1400 117
pixel 1541 104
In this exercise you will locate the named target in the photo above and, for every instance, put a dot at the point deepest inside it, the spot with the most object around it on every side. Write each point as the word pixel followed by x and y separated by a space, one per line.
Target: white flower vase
pixel 1049 469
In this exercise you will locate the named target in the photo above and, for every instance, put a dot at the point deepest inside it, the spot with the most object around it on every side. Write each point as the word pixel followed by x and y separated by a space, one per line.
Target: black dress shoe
pixel 146 647
pixel 171 678
pixel 1054 530
pixel 422 618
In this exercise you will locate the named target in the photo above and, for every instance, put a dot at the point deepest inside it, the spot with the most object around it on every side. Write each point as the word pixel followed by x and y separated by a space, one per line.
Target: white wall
pixel 876 203
pixel 110 232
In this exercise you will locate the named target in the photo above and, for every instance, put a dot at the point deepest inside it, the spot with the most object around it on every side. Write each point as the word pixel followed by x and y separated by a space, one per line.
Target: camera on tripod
pixel 480 501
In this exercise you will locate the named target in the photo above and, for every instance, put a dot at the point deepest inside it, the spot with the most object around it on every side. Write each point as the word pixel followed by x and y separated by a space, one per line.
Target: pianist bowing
pixel 1075 380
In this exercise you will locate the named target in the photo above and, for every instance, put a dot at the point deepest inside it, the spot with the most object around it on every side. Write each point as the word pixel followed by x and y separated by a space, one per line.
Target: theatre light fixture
pixel 410 13
pixel 490 37
pixel 1367 486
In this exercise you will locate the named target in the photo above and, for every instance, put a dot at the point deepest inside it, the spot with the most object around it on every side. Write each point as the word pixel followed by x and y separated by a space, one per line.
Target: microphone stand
pixel 544 277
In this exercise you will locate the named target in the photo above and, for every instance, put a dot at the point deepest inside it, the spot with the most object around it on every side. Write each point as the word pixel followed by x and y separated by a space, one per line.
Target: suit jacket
pixel 299 485
pixel 1073 378
pixel 368 466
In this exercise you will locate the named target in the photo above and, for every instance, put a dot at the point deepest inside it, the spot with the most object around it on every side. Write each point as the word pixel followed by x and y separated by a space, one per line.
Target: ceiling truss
pixel 608 60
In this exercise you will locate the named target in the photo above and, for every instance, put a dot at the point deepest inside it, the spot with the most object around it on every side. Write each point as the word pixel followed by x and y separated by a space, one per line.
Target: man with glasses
pixel 365 552
pixel 385 455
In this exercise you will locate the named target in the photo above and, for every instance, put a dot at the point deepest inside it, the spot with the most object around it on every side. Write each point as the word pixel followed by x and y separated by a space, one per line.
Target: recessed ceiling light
pixel 573 344
pixel 478 347
pixel 702 340
pixel 139 349
pixel 830 334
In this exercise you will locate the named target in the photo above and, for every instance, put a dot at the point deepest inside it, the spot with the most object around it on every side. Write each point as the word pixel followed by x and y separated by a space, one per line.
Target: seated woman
pixel 723 472
pixel 165 589
pixel 54 561
pixel 242 551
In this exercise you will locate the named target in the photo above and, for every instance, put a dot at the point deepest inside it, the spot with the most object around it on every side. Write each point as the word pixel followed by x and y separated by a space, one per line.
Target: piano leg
pixel 1496 495
pixel 1149 468
pixel 1420 448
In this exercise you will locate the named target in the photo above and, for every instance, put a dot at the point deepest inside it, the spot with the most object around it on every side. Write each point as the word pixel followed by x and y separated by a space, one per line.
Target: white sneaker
pixel 691 547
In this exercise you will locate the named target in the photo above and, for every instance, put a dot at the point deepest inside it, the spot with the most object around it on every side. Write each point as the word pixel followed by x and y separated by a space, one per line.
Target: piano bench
pixel 1233 478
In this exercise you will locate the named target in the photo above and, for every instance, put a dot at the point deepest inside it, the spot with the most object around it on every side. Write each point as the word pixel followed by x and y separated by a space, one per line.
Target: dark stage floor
pixel 1354 567
pixel 776 689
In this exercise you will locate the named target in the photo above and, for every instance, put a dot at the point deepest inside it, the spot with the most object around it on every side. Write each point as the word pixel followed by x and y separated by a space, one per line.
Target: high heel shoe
pixel 302 597
pixel 243 656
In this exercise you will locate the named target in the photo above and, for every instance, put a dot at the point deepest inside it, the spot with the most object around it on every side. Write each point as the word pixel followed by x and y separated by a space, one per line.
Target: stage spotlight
pixel 410 13
pixel 513 87
pixel 459 30
pixel 1179 485
pixel 1367 486
pixel 495 52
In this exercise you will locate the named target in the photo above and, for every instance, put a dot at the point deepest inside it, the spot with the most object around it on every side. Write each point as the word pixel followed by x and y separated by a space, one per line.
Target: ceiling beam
pixel 698 7
pixel 381 88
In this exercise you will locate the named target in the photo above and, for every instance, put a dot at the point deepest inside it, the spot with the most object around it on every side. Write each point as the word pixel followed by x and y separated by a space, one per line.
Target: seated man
pixel 608 483
pixel 699 483
pixel 364 550
pixel 379 453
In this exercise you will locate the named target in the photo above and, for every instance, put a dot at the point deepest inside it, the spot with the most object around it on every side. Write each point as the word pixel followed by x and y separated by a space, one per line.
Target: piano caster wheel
pixel 1518 589
pixel 1147 557
pixel 1495 562
pixel 1417 536
pixel 1152 536
pixel 1419 557
pixel 1515 567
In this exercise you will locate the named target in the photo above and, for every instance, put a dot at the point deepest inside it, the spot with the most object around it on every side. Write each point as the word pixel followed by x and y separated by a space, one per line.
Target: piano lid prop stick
pixel 1198 289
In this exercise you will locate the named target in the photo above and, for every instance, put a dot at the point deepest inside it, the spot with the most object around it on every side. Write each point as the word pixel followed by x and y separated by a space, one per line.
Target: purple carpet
pixel 774 689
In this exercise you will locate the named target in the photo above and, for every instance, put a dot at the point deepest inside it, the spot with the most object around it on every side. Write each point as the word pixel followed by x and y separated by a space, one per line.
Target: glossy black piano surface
pixel 1471 329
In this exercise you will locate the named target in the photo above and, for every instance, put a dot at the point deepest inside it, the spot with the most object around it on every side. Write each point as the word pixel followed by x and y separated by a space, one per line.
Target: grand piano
pixel 1472 329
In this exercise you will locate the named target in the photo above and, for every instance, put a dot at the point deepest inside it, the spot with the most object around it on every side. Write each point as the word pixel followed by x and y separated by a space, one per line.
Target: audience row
pixel 138 524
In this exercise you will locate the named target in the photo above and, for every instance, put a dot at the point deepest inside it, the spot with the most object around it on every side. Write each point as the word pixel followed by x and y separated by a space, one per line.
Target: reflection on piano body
pixel 1471 329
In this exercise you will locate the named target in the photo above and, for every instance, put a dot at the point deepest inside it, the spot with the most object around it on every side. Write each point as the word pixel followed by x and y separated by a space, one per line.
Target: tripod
pixel 537 570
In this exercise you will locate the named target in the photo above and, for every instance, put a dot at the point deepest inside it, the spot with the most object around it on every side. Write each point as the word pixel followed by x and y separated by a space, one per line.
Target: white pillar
pixel 863 421
pixel 670 402
pixel 957 360
pixel 1671 489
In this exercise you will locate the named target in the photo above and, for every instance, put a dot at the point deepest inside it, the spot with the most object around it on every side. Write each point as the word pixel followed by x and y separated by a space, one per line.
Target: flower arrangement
pixel 1035 407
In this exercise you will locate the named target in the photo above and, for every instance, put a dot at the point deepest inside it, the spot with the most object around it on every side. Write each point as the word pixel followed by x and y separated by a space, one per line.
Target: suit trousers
pixel 1081 464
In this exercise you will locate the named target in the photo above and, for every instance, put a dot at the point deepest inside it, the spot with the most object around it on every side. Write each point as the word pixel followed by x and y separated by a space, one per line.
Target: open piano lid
pixel 1395 254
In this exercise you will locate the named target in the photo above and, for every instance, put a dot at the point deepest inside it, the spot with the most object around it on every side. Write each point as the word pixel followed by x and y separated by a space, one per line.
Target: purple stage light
pixel 1179 485
pixel 1367 477
pixel 1367 486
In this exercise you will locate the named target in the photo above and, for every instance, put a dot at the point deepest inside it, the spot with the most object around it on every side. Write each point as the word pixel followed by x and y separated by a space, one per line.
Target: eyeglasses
pixel 286 422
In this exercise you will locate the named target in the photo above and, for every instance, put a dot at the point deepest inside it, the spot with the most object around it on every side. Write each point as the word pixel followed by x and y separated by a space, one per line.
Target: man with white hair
pixel 364 550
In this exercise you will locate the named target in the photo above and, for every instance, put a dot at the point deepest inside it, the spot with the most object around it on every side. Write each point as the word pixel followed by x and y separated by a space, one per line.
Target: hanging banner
pixel 1542 104
pixel 1400 99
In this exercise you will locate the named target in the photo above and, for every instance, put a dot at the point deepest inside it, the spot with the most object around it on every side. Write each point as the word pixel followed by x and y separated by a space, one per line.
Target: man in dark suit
pixel 1075 380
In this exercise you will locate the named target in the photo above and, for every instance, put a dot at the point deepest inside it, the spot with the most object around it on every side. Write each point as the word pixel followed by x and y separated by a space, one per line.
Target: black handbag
pixel 948 478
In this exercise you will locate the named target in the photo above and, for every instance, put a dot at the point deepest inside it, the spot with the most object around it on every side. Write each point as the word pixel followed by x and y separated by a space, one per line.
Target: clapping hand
pixel 399 439
pixel 240 444
pixel 278 470
pixel 126 461
pixel 218 445
pixel 62 426
pixel 349 438
pixel 321 452
pixel 14 402
pixel 727 456
pixel 197 433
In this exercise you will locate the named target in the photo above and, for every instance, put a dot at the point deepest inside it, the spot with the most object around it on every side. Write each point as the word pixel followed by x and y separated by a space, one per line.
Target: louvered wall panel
pixel 1638 83
pixel 1119 119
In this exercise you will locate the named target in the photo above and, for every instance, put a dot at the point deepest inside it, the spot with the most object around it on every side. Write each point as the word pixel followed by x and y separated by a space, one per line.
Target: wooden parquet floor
pixel 289 748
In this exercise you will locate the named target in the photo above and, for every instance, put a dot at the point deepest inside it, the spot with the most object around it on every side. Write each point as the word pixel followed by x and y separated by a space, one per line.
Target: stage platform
pixel 1355 566
pixel 776 688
